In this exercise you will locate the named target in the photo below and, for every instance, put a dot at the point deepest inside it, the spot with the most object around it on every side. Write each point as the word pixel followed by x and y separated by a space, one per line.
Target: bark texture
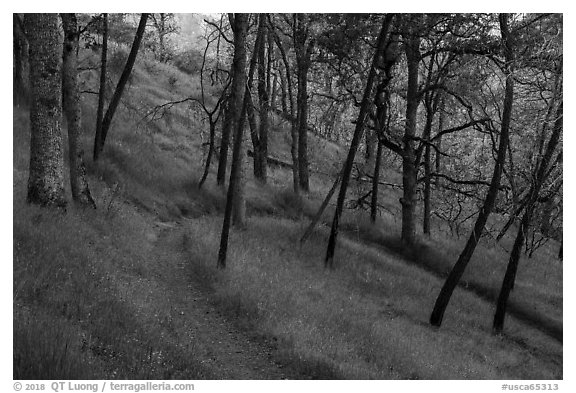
pixel 235 198
pixel 303 47
pixel 72 111
pixel 409 170
pixel 46 178
pixel 224 143
pixel 263 82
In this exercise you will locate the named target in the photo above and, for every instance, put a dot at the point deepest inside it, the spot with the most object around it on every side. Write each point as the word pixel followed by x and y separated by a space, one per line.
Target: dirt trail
pixel 166 297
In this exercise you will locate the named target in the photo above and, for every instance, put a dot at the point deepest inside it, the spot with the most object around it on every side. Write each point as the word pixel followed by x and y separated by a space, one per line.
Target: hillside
pixel 131 290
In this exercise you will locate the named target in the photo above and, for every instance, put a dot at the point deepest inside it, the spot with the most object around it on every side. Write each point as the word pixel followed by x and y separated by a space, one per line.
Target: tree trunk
pixel 458 269
pixel 235 195
pixel 437 156
pixel 210 151
pixel 370 153
pixel 107 121
pixel 283 101
pixel 357 137
pixel 427 192
pixel 409 170
pixel 293 123
pixel 264 105
pixel 302 114
pixel 303 47
pixel 513 217
pixel 274 91
pixel 427 171
pixel 318 214
pixel 510 275
pixel 224 143
pixel 102 91
pixel 258 160
pixel 376 182
pixel 72 110
pixel 46 177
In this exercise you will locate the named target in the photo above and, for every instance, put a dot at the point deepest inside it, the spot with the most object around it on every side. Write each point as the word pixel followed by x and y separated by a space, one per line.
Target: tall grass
pixel 88 286
pixel 366 319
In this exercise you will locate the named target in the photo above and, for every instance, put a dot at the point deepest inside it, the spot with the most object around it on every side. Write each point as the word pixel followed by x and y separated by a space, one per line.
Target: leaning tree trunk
pixel 235 197
pixel 107 121
pixel 510 275
pixel 320 211
pixel 102 91
pixel 458 269
pixel 72 110
pixel 46 177
pixel 356 139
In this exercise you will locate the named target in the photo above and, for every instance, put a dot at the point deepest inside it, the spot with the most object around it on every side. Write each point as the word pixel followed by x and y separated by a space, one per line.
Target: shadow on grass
pixel 437 263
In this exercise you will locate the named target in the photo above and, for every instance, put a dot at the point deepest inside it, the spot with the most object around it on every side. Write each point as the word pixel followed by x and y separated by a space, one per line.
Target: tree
pixel 72 110
pixel 347 169
pixel 293 122
pixel 213 113
pixel 226 123
pixel 224 142
pixel 466 254
pixel 238 103
pixel 303 47
pixel 263 97
pixel 107 120
pixel 164 25
pixel 381 121
pixel 102 90
pixel 409 168
pixel 539 177
pixel 46 178
pixel 259 133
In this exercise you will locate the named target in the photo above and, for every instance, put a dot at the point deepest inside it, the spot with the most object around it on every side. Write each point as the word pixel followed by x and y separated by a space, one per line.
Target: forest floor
pixel 131 290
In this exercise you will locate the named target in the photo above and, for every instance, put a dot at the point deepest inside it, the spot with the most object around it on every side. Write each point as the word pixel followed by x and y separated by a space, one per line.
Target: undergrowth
pixel 365 319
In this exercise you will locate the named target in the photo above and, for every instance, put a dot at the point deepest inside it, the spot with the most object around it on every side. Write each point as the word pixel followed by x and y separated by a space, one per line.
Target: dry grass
pixel 365 319
pixel 368 318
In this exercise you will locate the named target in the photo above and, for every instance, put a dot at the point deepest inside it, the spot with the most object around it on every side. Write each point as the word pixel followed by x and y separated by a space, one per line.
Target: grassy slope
pixel 366 319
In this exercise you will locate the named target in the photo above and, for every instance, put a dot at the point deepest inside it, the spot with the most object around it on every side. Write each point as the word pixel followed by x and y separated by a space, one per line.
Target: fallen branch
pixel 272 160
